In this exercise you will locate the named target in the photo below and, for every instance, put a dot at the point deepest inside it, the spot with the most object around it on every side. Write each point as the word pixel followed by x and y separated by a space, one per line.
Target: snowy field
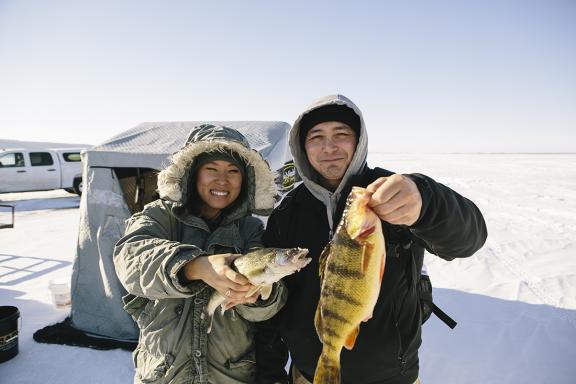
pixel 515 300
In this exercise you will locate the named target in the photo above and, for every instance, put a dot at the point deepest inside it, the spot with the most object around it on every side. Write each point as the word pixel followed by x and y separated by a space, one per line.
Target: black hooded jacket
pixel 386 349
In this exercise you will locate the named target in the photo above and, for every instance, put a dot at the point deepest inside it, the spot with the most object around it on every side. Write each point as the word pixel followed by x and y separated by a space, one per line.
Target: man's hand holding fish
pixel 395 199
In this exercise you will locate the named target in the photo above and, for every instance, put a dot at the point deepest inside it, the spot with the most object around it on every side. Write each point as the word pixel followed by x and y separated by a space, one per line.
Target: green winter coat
pixel 174 346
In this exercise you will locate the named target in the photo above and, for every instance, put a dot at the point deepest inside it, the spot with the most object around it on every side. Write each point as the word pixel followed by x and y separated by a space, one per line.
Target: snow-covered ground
pixel 515 300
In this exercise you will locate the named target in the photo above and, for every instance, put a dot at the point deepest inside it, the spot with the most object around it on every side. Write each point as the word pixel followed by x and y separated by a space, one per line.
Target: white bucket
pixel 60 290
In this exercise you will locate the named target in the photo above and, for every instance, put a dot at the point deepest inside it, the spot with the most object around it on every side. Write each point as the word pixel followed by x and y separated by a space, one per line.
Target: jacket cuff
pixel 265 309
pixel 425 195
pixel 175 265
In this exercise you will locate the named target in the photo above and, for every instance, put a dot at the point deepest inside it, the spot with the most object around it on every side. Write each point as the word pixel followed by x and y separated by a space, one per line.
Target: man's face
pixel 330 147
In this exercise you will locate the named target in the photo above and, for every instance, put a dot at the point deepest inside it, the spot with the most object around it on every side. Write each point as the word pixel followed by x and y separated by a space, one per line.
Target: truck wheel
pixel 78 186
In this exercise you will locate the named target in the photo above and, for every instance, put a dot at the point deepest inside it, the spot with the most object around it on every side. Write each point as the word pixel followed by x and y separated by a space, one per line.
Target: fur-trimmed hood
pixel 259 180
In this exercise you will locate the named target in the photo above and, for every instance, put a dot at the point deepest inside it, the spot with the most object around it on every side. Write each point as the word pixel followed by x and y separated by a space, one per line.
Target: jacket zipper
pixel 400 357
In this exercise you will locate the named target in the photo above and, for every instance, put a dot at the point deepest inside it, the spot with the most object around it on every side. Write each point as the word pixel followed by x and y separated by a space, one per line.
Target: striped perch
pixel 351 269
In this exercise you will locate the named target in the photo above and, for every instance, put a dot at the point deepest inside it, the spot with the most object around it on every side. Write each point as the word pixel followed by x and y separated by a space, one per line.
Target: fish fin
pixel 382 265
pixel 366 255
pixel 328 369
pixel 265 291
pixel 351 339
pixel 252 291
pixel 227 306
pixel 367 317
pixel 210 317
pixel 364 232
pixel 318 322
pixel 323 258
pixel 215 301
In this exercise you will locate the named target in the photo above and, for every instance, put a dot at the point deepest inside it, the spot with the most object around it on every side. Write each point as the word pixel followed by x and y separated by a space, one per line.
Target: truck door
pixel 13 175
pixel 44 170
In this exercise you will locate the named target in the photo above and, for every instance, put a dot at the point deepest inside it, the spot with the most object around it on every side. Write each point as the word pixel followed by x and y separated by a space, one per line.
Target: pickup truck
pixel 31 169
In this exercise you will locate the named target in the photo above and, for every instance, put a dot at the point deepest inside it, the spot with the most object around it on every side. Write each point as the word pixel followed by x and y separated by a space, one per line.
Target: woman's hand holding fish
pixel 396 199
pixel 215 271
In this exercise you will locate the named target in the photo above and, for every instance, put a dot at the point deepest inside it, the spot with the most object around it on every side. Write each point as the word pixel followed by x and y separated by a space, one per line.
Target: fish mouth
pixel 294 256
pixel 360 193
pixel 300 258
pixel 297 254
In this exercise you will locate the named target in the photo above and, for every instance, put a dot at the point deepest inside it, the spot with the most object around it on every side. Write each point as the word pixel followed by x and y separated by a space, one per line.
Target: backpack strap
pixel 420 280
pixel 427 305
pixel 443 316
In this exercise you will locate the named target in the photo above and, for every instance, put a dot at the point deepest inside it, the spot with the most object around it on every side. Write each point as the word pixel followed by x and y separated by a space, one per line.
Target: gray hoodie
pixel 309 175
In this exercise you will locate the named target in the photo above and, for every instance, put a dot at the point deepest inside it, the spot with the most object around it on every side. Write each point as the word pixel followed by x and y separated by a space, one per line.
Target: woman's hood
pixel 261 188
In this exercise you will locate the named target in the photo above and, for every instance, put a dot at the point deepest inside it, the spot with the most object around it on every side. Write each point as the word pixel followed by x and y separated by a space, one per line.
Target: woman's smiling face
pixel 218 184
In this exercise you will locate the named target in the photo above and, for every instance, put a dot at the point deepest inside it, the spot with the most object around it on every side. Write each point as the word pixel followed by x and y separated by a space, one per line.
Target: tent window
pixel 138 186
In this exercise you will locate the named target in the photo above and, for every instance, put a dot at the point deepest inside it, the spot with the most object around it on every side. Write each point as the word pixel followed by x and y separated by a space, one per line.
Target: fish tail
pixel 327 370
pixel 215 301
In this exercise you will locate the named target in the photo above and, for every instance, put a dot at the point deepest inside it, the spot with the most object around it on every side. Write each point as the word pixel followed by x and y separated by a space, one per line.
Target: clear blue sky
pixel 429 76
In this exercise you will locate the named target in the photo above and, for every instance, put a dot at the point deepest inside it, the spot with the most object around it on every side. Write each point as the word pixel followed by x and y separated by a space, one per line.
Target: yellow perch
pixel 351 269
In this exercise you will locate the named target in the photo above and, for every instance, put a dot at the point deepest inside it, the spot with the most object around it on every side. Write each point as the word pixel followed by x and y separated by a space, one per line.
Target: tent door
pixel 138 186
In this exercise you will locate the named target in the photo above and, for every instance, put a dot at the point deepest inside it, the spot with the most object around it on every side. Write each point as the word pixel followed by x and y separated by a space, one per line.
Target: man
pixel 329 144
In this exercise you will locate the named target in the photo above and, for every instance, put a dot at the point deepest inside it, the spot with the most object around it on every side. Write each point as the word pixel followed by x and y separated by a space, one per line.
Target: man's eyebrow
pixel 338 127
pixel 343 127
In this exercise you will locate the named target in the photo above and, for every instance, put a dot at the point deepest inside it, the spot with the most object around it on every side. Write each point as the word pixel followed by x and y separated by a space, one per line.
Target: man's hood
pixel 307 173
pixel 259 179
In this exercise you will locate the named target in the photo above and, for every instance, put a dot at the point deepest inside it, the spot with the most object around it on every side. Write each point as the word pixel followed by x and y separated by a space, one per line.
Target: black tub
pixel 8 332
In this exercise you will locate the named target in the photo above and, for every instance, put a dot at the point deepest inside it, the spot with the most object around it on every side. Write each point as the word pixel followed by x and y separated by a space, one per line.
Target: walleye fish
pixel 351 270
pixel 263 267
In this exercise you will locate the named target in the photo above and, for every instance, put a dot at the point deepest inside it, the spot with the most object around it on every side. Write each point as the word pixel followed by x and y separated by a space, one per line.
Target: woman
pixel 178 250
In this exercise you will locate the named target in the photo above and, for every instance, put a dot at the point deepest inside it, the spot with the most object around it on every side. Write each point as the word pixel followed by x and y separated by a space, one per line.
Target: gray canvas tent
pixel 119 179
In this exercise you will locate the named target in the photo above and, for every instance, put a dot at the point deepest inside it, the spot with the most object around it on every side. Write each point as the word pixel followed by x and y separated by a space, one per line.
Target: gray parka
pixel 174 346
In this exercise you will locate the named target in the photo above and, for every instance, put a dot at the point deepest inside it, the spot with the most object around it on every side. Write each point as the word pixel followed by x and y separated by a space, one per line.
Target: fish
pixel 351 271
pixel 262 267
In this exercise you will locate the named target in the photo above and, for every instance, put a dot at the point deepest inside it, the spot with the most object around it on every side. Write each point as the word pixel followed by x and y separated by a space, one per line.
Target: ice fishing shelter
pixel 119 179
